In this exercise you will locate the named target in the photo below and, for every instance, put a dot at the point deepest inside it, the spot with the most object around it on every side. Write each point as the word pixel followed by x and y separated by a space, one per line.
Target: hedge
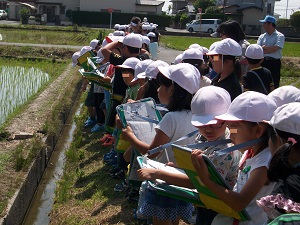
pixel 103 18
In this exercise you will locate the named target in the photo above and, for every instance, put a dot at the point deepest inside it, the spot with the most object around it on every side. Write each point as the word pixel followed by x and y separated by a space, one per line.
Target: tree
pixel 213 10
pixel 204 4
pixel 295 20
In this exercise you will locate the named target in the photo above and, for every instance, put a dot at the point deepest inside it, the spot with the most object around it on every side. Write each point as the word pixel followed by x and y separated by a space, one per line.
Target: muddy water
pixel 42 203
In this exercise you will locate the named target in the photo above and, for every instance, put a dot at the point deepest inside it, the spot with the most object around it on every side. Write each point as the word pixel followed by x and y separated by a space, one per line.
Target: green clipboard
pixel 83 61
pixel 173 191
pixel 210 200
pixel 95 78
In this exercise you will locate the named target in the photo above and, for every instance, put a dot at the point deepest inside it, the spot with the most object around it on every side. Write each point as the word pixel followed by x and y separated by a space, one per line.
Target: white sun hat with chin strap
pixel 227 46
pixel 250 106
pixel 185 75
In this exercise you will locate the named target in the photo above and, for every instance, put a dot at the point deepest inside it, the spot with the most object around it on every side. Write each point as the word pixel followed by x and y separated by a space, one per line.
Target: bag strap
pixel 239 146
pixel 162 147
pixel 209 143
pixel 262 84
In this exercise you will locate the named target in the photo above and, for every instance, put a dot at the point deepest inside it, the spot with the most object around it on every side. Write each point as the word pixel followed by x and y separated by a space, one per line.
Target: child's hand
pixel 200 165
pixel 118 122
pixel 172 164
pixel 127 133
pixel 148 173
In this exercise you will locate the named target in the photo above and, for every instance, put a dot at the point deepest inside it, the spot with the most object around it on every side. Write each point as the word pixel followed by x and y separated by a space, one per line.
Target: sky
pixel 280 7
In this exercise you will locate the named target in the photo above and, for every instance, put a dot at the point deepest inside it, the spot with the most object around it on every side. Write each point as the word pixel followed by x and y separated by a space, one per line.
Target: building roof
pixel 154 3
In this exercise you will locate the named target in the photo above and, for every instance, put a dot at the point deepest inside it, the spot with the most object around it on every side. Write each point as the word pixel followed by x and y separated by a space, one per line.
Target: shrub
pixel 24 14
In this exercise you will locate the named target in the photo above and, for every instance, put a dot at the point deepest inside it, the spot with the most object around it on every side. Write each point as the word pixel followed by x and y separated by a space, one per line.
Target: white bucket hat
pixel 227 46
pixel 140 68
pixel 254 51
pixel 129 63
pixel 133 40
pixel 207 103
pixel 287 118
pixel 285 94
pixel 192 53
pixel 250 106
pixel 152 69
pixel 185 75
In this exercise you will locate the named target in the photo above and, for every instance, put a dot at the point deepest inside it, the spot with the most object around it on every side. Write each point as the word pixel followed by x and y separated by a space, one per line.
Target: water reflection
pixel 17 85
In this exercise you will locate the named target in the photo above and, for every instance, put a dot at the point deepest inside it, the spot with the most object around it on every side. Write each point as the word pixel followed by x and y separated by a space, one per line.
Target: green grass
pixel 39 35
pixel 290 49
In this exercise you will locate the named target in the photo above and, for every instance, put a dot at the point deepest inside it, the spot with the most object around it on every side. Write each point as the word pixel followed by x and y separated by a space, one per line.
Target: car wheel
pixel 210 31
pixel 191 29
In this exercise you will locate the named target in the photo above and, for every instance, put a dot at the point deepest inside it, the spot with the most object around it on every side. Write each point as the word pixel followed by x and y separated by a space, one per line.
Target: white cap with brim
pixel 151 34
pixel 250 106
pixel 129 63
pixel 207 103
pixel 254 51
pixel 140 68
pixel 85 49
pixel 146 40
pixel 227 46
pixel 178 59
pixel 185 75
pixel 287 118
pixel 94 43
pixel 285 94
pixel 75 56
pixel 133 40
pixel 152 69
pixel 192 53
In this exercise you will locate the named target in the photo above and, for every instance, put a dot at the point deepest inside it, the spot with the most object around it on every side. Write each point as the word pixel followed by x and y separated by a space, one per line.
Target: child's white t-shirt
pixel 175 125
pixel 257 214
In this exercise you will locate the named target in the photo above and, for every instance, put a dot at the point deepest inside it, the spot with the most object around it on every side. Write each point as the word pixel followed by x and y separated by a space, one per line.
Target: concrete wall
pixel 252 16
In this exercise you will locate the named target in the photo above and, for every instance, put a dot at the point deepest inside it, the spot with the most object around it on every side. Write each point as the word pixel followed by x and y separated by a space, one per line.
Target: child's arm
pixel 159 139
pixel 237 201
pixel 181 180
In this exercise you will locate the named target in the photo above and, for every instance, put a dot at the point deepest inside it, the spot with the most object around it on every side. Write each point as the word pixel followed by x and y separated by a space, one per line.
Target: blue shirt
pixel 274 39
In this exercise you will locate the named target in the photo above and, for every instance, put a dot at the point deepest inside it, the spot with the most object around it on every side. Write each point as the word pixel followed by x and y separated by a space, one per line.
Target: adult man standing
pixel 272 43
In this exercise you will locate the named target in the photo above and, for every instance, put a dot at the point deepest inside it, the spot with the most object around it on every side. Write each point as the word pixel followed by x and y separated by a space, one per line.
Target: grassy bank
pixel 291 49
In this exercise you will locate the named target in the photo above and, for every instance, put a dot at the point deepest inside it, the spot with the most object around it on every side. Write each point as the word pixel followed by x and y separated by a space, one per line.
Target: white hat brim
pixel 203 120
pixel 228 117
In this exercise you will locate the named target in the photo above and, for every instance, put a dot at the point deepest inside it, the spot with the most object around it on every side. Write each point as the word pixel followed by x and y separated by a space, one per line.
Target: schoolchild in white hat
pixel 207 103
pixel 258 78
pixel 223 56
pixel 284 166
pixel 194 56
pixel 244 118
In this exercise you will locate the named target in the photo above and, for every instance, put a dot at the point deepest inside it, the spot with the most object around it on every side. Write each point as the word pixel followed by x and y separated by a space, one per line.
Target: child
pixel 244 118
pixel 285 163
pixel 223 58
pixel 177 85
pixel 127 70
pixel 207 103
pixel 194 56
pixel 153 46
pixel 258 78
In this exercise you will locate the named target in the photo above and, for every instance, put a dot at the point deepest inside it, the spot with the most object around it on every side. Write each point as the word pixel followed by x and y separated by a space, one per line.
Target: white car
pixel 3 14
pixel 207 25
